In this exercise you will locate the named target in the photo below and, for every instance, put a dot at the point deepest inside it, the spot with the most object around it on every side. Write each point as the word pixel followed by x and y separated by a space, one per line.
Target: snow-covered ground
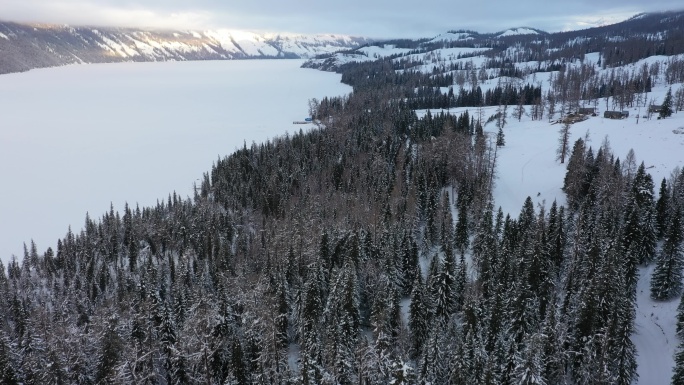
pixel 74 139
pixel 518 31
pixel 527 166
pixel 654 333
pixel 378 51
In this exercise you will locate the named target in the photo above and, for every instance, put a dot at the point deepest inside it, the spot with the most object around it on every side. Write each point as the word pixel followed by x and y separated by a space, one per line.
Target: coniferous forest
pixel 368 250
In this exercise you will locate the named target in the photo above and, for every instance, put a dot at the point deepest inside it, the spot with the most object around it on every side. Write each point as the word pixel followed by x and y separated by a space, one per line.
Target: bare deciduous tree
pixel 563 142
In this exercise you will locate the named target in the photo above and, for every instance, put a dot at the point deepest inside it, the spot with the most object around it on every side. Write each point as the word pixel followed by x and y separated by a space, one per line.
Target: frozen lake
pixel 75 139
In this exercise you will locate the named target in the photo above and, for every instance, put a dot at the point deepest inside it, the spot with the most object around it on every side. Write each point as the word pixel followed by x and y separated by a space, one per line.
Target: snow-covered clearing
pixel 518 31
pixel 74 139
pixel 654 333
pixel 527 166
pixel 452 36
pixel 374 51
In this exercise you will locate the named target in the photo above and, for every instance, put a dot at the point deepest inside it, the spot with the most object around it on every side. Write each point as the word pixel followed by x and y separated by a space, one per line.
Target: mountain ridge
pixel 638 37
pixel 27 46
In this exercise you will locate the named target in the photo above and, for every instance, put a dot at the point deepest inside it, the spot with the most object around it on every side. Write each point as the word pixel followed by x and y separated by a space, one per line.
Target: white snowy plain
pixel 75 139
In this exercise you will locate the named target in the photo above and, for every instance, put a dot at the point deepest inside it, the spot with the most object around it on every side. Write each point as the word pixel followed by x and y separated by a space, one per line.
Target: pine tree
pixel 678 375
pixel 485 250
pixel 460 284
pixel 445 299
pixel 409 252
pixel 281 321
pixel 680 317
pixel 500 139
pixel 419 316
pixel 54 372
pixel 433 365
pixel 349 318
pixel 312 307
pixel 662 208
pixel 111 346
pixel 529 364
pixel 401 373
pixel 640 236
pixel 7 373
pixel 666 108
pixel 446 230
pixel 324 250
pixel 666 282
pixel 461 239
pixel 621 322
pixel 573 183
pixel 237 364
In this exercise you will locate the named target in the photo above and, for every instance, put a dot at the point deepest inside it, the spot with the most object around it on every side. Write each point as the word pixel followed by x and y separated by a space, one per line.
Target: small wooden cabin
pixel 613 114
pixel 655 108
pixel 616 114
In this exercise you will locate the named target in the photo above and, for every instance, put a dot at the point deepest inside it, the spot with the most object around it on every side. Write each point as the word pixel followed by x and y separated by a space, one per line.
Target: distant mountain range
pixel 24 47
pixel 27 46
pixel 641 36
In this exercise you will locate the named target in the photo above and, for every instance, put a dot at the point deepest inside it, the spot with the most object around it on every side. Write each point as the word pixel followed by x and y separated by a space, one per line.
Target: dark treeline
pixel 434 98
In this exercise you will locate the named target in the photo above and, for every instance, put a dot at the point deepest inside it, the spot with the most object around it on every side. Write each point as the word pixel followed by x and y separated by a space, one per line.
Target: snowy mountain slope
pixel 452 36
pixel 384 50
pixel 518 31
pixel 429 59
pixel 24 47
pixel 622 43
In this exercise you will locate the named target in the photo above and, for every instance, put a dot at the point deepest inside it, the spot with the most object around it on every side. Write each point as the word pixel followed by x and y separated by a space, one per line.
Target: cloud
pixel 382 18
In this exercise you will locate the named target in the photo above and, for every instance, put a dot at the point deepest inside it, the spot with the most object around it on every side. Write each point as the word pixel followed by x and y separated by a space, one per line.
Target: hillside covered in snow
pixel 24 47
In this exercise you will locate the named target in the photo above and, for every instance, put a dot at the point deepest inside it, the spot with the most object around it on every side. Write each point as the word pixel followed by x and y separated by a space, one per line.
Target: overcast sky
pixel 371 18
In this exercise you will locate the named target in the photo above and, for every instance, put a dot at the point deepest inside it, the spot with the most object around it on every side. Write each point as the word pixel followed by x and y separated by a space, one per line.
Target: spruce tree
pixel 281 320
pixel 662 208
pixel 409 253
pixel 529 363
pixel 7 373
pixel 461 239
pixel 666 108
pixel 573 183
pixel 445 299
pixel 419 316
pixel 666 282
pixel 237 366
pixel 680 316
pixel 484 251
pixel 678 375
pixel 640 235
pixel 110 352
